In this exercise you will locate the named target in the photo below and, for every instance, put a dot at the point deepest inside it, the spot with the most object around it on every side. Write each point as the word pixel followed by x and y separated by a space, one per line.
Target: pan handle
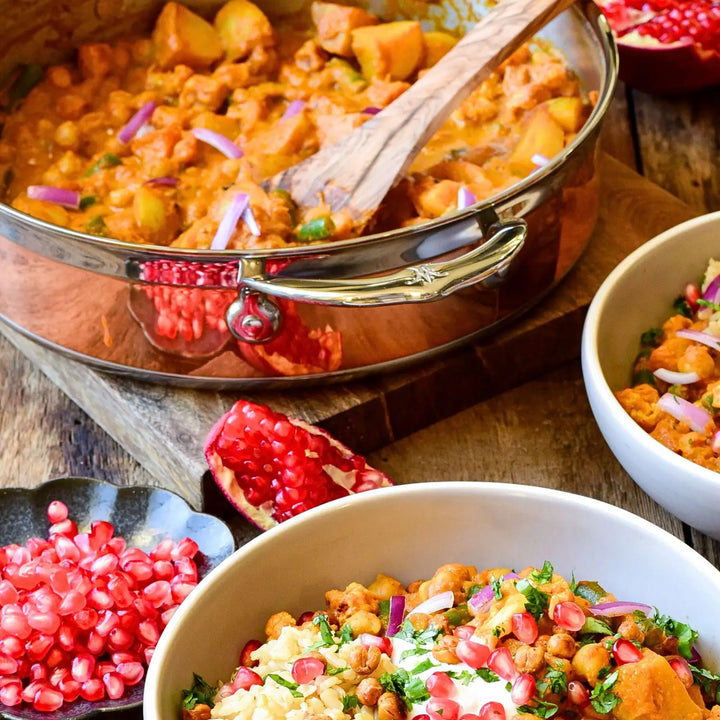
pixel 486 264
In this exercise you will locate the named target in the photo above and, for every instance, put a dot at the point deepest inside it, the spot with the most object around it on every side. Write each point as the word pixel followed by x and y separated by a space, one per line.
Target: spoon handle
pixel 357 171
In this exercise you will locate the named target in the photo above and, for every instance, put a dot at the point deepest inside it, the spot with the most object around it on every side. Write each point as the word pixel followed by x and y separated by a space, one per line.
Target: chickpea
pixel 369 691
pixel 67 136
pixel 562 644
pixel 589 660
pixel 631 630
pixel 277 622
pixel 444 650
pixel 364 622
pixel 59 76
pixel 364 660
pixel 385 587
pixel 390 707
pixel 69 163
pixel 528 658
pixel 199 712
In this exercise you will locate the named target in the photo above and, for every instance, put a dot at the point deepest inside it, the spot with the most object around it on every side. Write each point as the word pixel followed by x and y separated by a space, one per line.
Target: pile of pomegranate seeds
pixel 81 613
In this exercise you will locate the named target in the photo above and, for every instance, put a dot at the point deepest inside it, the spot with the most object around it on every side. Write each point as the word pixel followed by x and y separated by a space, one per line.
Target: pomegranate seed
pixel 465 632
pixel 56 657
pixel 148 632
pixel 48 699
pixel 682 670
pixel 141 571
pixel 70 689
pixel 92 690
pixel 108 621
pixel 384 643
pixel 569 616
pixel 306 669
pixel 163 569
pixel 33 687
pixel 11 694
pixel 38 646
pixel 473 653
pixel 249 647
pixel 492 711
pixel 99 599
pixel 523 689
pixel 163 551
pixel 16 625
pixel 86 619
pixel 692 295
pixel 625 652
pixel 440 685
pixel 185 548
pixel 114 685
pixel 578 694
pixel 11 646
pixel 120 639
pixel 469 716
pixel 167 615
pixel 103 668
pixel 96 643
pixel 101 532
pixel 104 565
pixel 131 672
pixel 501 663
pixel 8 665
pixel 245 678
pixel 65 527
pixel 158 592
pixel 442 709
pixel 57 511
pixel 524 628
pixel 83 667
pixel 8 593
pixel 58 675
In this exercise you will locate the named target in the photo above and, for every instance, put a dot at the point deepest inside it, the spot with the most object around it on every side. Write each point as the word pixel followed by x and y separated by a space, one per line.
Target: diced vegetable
pixel 106 160
pixel 241 26
pixel 543 135
pixel 437 44
pixel 318 229
pixel 392 50
pixel 182 37
pixel 149 210
pixel 96 226
pixel 569 112
pixel 335 24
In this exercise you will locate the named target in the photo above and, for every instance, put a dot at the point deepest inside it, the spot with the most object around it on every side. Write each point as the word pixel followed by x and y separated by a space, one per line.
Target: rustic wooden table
pixel 547 422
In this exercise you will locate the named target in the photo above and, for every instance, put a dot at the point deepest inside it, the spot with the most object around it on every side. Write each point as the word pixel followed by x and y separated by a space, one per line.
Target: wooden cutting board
pixel 163 428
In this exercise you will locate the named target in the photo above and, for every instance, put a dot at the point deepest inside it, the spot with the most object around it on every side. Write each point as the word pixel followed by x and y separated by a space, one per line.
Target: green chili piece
pixel 87 201
pixel 318 229
pixel 106 160
pixel 286 197
pixel 96 226
pixel 28 77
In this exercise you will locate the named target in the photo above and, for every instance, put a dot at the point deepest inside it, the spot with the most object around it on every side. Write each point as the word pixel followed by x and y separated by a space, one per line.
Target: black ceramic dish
pixel 142 515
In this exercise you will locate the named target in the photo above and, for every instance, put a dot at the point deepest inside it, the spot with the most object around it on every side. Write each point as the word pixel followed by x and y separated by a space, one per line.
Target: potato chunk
pixel 393 50
pixel 542 135
pixel 182 37
pixel 437 45
pixel 335 24
pixel 242 26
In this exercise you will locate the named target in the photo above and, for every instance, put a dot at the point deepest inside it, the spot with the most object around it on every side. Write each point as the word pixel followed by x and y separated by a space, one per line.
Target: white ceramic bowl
pixel 408 531
pixel 636 296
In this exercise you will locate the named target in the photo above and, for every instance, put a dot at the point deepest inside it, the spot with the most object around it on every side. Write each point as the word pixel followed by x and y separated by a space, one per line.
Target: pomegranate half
pixel 666 46
pixel 272 467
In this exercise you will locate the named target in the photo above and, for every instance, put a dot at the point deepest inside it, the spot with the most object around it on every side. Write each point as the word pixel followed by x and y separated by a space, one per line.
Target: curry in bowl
pixel 160 139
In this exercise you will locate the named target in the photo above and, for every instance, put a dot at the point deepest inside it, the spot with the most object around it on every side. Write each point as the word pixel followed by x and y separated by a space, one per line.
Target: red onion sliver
pixel 695 417
pixel 250 221
pixel 371 110
pixel 226 146
pixel 715 442
pixel 397 608
pixel 52 194
pixel 676 378
pixel 702 337
pixel 127 133
pixel 480 600
pixel 229 222
pixel 465 198
pixel 441 601
pixel 164 181
pixel 539 160
pixel 711 291
pixel 293 108
pixel 620 607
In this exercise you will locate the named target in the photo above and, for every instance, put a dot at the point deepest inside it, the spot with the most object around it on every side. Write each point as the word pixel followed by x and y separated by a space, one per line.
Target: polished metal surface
pixel 103 301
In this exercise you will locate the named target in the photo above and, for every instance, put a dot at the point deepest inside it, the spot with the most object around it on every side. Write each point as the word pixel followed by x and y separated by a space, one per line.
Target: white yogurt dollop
pixel 470 696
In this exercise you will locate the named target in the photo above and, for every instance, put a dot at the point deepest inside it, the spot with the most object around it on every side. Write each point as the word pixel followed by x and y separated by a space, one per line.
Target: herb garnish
pixel 349 702
pixel 595 626
pixel 555 681
pixel 684 633
pixel 602 698
pixel 200 692
pixel 409 689
pixel 542 710
pixel 681 307
pixel 706 303
pixel 289 684
pixel 536 601
pixel 495 584
pixel 106 160
pixel 651 337
pixel 543 576
pixel 708 681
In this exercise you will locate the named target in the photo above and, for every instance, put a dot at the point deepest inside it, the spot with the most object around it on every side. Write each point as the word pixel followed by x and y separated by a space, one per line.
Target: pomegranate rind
pixel 262 516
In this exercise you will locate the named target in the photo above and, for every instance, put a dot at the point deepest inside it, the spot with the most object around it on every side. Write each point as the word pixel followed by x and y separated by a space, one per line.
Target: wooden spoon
pixel 356 172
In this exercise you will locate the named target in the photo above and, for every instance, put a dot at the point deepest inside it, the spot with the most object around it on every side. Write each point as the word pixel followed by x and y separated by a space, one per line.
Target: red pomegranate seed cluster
pixel 81 613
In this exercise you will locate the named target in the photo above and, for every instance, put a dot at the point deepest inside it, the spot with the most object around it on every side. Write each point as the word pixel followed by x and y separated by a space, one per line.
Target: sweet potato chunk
pixel 437 44
pixel 242 26
pixel 542 135
pixel 182 37
pixel 335 24
pixel 650 690
pixel 393 50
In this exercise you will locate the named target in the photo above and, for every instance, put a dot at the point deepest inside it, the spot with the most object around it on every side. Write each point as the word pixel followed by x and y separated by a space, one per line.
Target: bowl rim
pixel 152 698
pixel 593 374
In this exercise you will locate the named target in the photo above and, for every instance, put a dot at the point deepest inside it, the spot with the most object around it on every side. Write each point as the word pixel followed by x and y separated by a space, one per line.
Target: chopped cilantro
pixel 643 377
pixel 289 684
pixel 651 337
pixel 87 201
pixel 541 577
pixel 459 615
pixel 200 692
pixel 495 584
pixel 681 307
pixel 541 710
pixel 708 681
pixel 684 633
pixel 423 666
pixel 555 681
pixel 326 632
pixel 707 402
pixel 349 702
pixel 346 634
pixel 106 160
pixel 335 671
pixel 602 698
pixel 487 675
pixel 573 582
pixel 409 689
pixel 536 601
pixel 467 676
pixel 595 626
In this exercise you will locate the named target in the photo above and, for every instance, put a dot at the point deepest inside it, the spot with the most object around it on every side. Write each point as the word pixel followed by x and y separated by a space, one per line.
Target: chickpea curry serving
pixel 467 645
pixel 675 390
pixel 166 140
